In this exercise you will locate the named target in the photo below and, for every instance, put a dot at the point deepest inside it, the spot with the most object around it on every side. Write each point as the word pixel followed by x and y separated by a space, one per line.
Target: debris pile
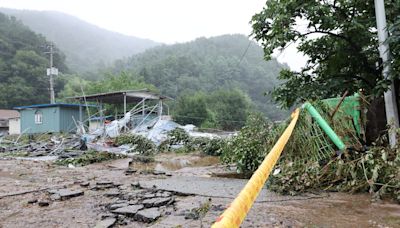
pixel 62 146
pixel 135 204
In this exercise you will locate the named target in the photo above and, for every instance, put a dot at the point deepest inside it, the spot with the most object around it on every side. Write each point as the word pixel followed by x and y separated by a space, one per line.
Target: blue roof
pixel 100 118
pixel 53 105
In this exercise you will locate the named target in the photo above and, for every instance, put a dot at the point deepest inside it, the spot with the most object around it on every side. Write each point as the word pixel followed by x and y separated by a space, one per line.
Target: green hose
pixel 325 126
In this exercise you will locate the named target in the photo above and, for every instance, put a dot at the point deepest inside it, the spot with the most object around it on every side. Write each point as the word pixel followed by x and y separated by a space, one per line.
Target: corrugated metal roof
pixel 52 105
pixel 8 114
pixel 117 97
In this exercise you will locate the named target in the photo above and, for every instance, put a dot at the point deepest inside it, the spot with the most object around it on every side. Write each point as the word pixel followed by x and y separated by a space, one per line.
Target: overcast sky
pixel 167 21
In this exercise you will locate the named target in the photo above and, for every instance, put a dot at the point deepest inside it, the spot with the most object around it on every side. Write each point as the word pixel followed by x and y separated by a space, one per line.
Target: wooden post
pixel 124 104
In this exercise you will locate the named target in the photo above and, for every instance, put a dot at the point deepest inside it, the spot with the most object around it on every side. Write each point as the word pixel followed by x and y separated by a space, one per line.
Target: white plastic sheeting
pixel 158 133
pixel 113 129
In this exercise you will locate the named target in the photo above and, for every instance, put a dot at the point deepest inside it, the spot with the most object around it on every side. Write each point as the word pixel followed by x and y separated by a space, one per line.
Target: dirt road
pixel 175 191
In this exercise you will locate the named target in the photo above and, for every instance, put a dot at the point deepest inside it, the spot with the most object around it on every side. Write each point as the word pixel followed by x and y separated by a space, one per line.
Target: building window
pixel 38 117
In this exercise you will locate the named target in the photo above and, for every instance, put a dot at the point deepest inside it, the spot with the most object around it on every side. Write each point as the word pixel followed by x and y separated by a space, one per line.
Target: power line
pixel 244 53
pixel 203 118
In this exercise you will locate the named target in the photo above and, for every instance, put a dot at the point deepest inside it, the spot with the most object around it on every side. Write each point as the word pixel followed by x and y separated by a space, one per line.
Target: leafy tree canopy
pixel 338 36
pixel 223 109
pixel 75 85
pixel 206 65
pixel 23 64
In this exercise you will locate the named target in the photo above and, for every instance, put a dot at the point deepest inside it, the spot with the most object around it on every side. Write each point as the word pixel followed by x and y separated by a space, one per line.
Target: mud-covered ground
pixel 175 191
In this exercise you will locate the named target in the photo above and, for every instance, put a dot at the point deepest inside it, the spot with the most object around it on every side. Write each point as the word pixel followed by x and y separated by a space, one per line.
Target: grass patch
pixel 89 157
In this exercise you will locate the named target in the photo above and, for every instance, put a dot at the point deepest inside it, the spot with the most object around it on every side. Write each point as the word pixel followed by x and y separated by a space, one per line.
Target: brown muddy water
pixel 270 210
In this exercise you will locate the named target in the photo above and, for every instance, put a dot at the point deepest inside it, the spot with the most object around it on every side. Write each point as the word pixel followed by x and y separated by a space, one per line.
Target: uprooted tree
pixel 338 36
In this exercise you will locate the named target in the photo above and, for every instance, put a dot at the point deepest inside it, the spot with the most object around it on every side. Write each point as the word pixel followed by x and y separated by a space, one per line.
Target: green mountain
pixel 86 46
pixel 227 62
pixel 23 64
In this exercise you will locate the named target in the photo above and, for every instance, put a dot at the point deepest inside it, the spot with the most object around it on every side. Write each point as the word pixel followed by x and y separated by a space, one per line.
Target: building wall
pixel 50 121
pixel 67 116
pixel 14 126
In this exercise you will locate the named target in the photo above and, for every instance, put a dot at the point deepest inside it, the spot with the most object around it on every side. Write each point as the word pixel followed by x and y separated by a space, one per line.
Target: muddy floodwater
pixel 166 193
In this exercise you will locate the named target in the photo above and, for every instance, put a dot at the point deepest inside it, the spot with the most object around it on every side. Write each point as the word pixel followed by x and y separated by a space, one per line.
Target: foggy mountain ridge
pixel 86 46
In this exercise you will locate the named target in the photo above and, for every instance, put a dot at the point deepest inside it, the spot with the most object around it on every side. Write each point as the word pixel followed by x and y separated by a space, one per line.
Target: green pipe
pixel 325 126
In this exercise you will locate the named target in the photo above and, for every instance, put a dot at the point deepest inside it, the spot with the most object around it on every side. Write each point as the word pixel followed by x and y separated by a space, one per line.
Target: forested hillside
pixel 224 62
pixel 86 46
pixel 23 64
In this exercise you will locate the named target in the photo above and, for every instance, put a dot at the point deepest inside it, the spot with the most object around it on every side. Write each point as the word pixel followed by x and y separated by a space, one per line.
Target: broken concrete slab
pixel 157 202
pixel 129 211
pixel 130 171
pixel 104 183
pixel 85 184
pixel 32 201
pixel 117 205
pixel 112 193
pixel 158 172
pixel 163 194
pixel 43 203
pixel 106 223
pixel 120 163
pixel 135 184
pixel 149 195
pixel 148 215
pixel 212 187
pixel 66 193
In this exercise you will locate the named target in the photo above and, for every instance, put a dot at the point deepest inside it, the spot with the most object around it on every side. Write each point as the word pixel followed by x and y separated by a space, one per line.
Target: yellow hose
pixel 234 215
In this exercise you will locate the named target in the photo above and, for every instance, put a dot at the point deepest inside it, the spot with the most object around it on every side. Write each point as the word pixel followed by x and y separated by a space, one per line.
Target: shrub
pixel 248 148
pixel 142 145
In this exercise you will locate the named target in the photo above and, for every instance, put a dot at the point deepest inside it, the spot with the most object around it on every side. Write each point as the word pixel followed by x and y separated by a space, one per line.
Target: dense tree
pixel 223 109
pixel 23 64
pixel 86 46
pixel 224 62
pixel 75 85
pixel 394 41
pixel 231 108
pixel 191 109
pixel 338 36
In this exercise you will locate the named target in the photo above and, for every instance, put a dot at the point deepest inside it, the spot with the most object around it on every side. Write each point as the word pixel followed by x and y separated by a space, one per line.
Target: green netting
pixel 310 143
pixel 349 110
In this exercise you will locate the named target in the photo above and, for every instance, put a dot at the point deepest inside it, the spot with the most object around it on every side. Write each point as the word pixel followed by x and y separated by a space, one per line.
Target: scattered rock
pixel 163 194
pixel 130 171
pixel 158 172
pixel 117 205
pixel 32 201
pixel 65 193
pixel 43 203
pixel 147 215
pixel 85 184
pixel 157 202
pixel 107 215
pixel 133 202
pixel 104 183
pixel 121 201
pixel 113 193
pixel 135 184
pixel 55 197
pixel 106 223
pixel 149 195
pixel 218 207
pixel 129 211
pixel 192 215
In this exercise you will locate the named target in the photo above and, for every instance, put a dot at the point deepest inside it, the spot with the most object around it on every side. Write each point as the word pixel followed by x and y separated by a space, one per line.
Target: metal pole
pixel 124 103
pixel 143 108
pixel 325 126
pixel 52 97
pixel 390 96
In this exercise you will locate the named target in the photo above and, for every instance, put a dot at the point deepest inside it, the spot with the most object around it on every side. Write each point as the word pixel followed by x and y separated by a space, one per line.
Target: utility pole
pixel 50 72
pixel 392 116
